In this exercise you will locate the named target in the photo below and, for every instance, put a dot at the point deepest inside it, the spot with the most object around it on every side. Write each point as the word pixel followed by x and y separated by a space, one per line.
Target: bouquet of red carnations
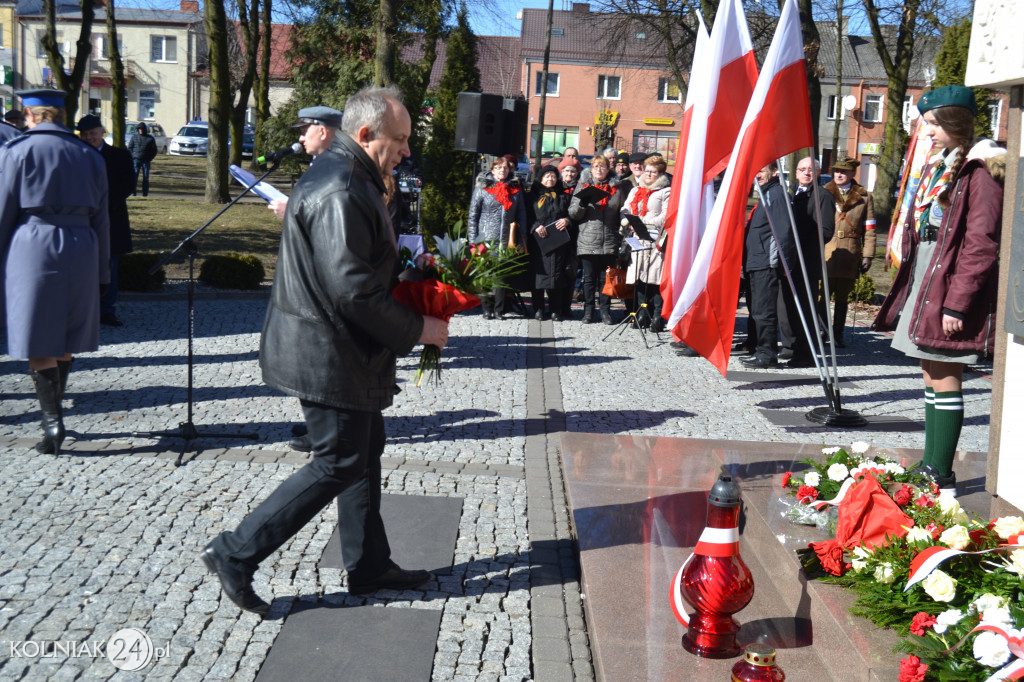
pixel 449 280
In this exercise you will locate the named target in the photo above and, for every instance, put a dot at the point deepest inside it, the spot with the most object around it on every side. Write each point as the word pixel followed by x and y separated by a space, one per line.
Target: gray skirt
pixel 901 337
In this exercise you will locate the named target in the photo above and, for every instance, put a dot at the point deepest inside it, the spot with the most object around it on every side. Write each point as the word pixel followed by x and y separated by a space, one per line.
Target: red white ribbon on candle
pixel 716 542
pixel 927 560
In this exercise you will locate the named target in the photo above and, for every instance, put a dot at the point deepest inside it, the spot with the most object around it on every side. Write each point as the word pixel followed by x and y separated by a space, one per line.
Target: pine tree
pixel 951 67
pixel 448 174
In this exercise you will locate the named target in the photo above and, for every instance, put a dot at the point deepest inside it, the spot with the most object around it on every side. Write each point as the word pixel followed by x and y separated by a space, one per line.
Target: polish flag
pixel 724 72
pixel 777 122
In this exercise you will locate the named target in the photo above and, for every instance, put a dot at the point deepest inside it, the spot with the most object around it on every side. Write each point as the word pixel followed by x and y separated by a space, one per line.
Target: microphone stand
pixel 187 430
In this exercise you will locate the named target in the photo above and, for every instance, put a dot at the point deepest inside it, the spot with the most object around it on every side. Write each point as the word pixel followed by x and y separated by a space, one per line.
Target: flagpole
pixel 834 415
pixel 824 280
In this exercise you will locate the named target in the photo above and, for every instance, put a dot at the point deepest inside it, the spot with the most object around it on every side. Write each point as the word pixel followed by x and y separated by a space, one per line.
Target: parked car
pixel 191 140
pixel 155 129
pixel 248 142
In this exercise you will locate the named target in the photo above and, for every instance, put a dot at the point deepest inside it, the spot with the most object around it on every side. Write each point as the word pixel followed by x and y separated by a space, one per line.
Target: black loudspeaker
pixel 515 118
pixel 479 124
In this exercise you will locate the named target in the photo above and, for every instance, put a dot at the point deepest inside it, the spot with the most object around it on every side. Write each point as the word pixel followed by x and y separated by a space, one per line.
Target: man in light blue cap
pixel 54 250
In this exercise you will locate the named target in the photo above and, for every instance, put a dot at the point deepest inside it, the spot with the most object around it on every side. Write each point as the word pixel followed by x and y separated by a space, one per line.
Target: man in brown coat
pixel 851 249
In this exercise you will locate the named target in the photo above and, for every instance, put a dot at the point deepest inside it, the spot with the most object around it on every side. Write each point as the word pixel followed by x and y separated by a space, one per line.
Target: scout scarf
pixel 931 186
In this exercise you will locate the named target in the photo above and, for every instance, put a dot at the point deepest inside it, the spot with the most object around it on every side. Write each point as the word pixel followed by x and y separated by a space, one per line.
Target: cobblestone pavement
pixel 107 538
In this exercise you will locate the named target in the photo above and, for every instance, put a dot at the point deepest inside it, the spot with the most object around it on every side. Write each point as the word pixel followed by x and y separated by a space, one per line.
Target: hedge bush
pixel 133 272
pixel 863 289
pixel 232 271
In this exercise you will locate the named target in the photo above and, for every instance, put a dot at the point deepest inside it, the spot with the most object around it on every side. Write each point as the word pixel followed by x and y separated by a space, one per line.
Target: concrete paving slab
pixel 321 643
pixel 421 531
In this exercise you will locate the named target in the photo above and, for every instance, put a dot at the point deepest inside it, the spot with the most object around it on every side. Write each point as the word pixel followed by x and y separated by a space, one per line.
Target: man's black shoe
pixel 678 345
pixel 687 352
pixel 944 482
pixel 757 362
pixel 235 582
pixel 785 354
pixel 394 578
pixel 800 363
pixel 301 443
pixel 299 429
pixel 607 318
pixel 111 320
pixel 555 317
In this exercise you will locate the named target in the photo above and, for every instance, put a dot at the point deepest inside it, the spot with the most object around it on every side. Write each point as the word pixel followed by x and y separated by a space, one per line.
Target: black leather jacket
pixel 332 329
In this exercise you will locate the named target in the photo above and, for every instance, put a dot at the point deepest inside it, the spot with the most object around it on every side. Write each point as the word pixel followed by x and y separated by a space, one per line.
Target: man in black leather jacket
pixel 330 338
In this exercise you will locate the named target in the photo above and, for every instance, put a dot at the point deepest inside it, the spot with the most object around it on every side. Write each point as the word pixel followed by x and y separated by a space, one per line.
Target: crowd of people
pixel 572 221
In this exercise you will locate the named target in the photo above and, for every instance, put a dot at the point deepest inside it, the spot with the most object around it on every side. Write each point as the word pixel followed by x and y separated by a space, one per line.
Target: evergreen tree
pixel 448 174
pixel 951 67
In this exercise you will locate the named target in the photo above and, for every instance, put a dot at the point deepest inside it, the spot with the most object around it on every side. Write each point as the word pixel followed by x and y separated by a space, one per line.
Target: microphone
pixel 274 157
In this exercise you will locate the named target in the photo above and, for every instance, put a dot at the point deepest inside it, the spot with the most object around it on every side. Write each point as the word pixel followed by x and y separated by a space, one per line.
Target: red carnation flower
pixel 785 478
pixel 921 621
pixel 904 495
pixel 935 530
pixel 806 493
pixel 912 669
pixel 478 249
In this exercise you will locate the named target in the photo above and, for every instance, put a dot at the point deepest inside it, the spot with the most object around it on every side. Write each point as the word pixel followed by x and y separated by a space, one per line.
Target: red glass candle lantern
pixel 715 581
pixel 758 665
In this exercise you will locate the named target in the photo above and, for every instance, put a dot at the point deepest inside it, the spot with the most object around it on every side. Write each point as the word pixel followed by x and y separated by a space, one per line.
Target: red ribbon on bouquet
pixel 434 298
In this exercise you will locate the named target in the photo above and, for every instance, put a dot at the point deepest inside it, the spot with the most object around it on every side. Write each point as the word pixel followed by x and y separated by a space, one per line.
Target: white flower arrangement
pixel 884 573
pixel 838 472
pixel 812 478
pixel 859 447
pixel 955 537
pixel 940 586
pixel 1005 526
pixel 991 649
pixel 947 619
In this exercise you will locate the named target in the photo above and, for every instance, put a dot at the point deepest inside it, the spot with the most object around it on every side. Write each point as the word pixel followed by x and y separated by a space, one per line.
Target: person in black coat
pixel 547 212
pixel 806 218
pixel 120 183
pixel 760 262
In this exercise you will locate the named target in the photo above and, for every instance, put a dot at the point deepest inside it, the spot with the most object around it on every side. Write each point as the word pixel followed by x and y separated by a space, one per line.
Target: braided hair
pixel 958 123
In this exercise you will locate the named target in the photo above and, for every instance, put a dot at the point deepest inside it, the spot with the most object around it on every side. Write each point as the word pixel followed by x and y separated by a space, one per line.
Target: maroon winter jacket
pixel 962 275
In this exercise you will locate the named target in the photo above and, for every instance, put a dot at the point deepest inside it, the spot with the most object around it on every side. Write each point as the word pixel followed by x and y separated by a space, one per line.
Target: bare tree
pixel 216 24
pixel 71 84
pixel 263 79
pixel 249 29
pixel 384 60
pixel 118 102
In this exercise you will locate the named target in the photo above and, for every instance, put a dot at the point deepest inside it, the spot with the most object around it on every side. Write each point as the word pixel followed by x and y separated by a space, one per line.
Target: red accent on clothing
pixel 639 204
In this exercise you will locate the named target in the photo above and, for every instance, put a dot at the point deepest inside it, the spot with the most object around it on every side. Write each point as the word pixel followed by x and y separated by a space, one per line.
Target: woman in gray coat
pixel 497 216
pixel 54 250
pixel 599 239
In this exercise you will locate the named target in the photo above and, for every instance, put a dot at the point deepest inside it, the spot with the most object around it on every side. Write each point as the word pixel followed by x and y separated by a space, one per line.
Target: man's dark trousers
pixel 347 446
pixel 802 349
pixel 764 296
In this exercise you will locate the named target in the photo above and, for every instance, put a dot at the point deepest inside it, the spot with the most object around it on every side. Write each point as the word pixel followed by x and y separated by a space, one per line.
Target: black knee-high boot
pixel 48 389
pixel 64 367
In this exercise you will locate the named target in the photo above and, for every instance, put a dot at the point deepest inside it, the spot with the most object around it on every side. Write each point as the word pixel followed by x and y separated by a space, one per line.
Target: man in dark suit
pixel 806 217
pixel 120 181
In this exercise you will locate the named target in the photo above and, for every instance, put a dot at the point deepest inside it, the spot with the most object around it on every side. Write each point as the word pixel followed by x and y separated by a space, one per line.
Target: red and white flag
pixel 777 122
pixel 724 72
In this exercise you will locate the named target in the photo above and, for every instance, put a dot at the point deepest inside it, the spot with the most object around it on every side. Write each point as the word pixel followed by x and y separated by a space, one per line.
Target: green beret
pixel 948 96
